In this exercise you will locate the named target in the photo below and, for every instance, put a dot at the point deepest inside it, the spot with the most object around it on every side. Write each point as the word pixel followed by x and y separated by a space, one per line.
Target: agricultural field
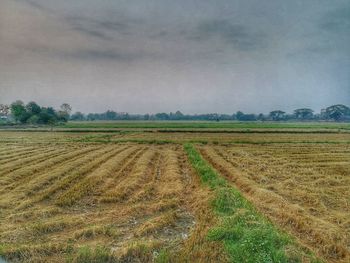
pixel 132 198
pixel 153 196
pixel 191 125
pixel 302 188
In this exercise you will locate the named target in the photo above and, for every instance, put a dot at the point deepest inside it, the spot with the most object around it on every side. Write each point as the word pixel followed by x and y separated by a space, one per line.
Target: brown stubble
pixel 302 195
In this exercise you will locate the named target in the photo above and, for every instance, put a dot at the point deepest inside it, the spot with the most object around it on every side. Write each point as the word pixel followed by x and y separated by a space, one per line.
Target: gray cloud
pixel 90 54
pixel 119 27
pixel 35 5
pixel 95 54
pixel 91 32
pixel 237 35
pixel 337 21
pixel 104 29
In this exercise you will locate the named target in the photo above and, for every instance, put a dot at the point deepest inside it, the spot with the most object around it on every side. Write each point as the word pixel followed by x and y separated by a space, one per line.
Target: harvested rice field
pixel 132 199
pixel 174 197
pixel 302 188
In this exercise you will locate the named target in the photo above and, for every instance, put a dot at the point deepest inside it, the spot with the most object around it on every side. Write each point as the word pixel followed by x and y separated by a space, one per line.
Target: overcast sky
pixel 163 55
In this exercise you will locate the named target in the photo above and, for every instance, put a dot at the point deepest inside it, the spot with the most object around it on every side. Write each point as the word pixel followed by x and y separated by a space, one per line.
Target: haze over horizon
pixel 196 56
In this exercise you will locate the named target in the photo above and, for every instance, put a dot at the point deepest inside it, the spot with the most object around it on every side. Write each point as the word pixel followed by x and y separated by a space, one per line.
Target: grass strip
pixel 247 236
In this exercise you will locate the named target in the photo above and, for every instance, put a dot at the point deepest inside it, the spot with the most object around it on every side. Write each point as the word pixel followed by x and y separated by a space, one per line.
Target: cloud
pixel 90 54
pixel 104 29
pixel 327 37
pixel 237 35
pixel 337 21
pixel 34 4
pixel 193 55
pixel 113 55
pixel 92 32
pixel 120 27
pixel 37 6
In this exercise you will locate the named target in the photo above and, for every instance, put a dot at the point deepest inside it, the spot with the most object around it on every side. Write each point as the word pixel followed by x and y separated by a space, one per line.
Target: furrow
pixel 123 166
pixel 19 154
pixel 14 149
pixel 135 176
pixel 18 164
pixel 88 184
pixel 40 183
pixel 66 182
pixel 23 177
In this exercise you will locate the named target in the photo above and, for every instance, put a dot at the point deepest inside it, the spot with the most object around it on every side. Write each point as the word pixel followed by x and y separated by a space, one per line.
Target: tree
pixel 91 117
pixel 65 107
pixel 245 117
pixel 304 113
pixel 48 116
pixel 78 116
pixel 336 112
pixel 34 119
pixel 65 111
pixel 19 111
pixel 277 115
pixel 239 115
pixel 4 110
pixel 177 115
pixel 162 116
pixel 33 108
pixel 261 117
pixel 111 115
pixel 248 117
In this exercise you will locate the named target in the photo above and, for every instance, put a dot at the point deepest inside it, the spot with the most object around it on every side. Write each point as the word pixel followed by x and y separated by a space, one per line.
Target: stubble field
pixel 141 197
pixel 303 188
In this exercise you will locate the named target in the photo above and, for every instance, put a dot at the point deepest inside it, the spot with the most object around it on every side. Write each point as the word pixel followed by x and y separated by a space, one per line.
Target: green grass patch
pixel 246 235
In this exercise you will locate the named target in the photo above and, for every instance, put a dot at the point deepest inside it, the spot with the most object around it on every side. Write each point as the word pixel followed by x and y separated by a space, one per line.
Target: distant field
pixel 171 137
pixel 207 125
pixel 135 196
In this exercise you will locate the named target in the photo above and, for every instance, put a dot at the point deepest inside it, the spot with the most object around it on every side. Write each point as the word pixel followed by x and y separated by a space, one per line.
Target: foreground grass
pixel 246 235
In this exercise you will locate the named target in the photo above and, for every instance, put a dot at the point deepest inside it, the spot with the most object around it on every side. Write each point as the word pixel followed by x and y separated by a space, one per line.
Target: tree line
pixel 32 113
pixel 337 112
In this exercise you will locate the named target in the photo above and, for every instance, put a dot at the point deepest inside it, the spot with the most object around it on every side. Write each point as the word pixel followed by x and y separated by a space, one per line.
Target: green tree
pixel 304 113
pixel 48 116
pixel 78 116
pixel 33 108
pixel 65 111
pixel 162 116
pixel 277 115
pixel 34 119
pixel 18 111
pixel 111 115
pixel 336 112
pixel 239 115
pixel 261 117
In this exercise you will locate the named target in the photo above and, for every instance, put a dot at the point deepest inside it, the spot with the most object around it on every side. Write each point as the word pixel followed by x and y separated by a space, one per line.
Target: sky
pixel 197 56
